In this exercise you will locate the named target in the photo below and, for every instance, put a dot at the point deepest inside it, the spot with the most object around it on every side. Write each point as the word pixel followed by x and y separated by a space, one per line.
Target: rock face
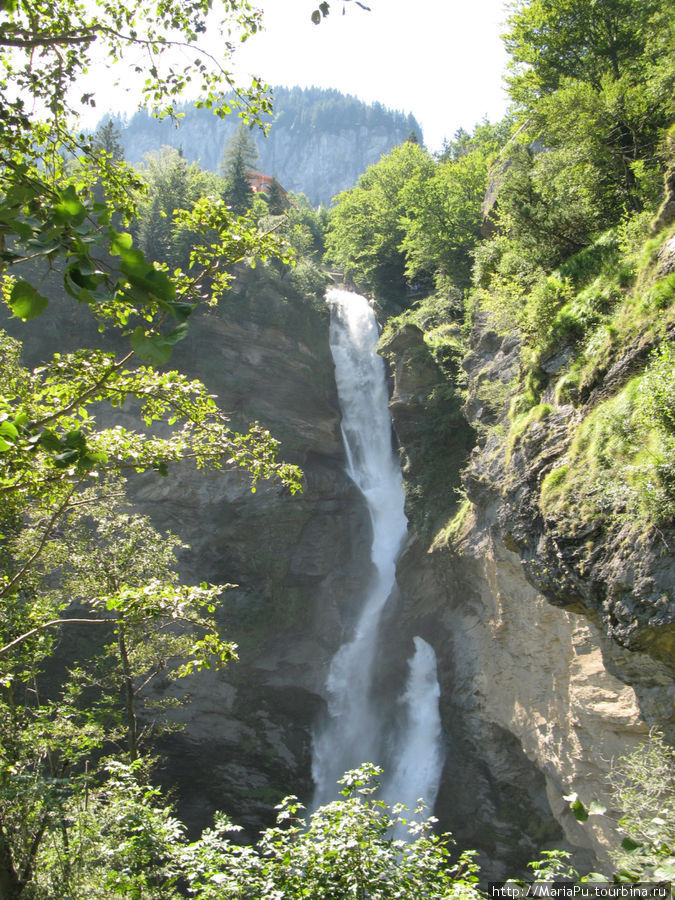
pixel 538 694
pixel 542 686
pixel 319 141
pixel 296 561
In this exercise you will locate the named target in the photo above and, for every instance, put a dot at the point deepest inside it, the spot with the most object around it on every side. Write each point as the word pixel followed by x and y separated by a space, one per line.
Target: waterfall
pixel 355 731
pixel 419 762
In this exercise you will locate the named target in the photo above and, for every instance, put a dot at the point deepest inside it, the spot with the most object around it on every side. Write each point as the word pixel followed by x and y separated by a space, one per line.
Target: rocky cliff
pixel 540 689
pixel 319 141
pixel 538 696
pixel 554 644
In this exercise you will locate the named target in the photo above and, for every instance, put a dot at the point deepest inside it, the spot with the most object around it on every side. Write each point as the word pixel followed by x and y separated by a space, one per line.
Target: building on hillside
pixel 262 184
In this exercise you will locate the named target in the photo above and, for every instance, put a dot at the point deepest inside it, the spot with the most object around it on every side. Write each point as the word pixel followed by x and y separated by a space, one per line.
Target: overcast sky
pixel 441 60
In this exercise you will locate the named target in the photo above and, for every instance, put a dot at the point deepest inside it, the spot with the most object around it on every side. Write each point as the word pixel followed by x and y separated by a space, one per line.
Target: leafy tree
pixel 172 186
pixel 354 847
pixel 595 76
pixel 276 198
pixel 643 788
pixel 488 137
pixel 108 138
pixel 411 218
pixel 66 201
pixel 366 229
pixel 443 219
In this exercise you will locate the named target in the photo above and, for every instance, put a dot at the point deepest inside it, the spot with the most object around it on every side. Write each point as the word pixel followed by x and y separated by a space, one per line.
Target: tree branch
pixel 52 624
pixel 43 540
pixel 27 41
pixel 74 404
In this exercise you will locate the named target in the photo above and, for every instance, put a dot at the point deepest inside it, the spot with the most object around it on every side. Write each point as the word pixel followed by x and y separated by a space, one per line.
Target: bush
pixel 620 464
pixel 643 786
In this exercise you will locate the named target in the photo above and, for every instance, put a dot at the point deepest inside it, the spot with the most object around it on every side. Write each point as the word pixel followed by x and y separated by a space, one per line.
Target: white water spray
pixel 354 732
pixel 417 773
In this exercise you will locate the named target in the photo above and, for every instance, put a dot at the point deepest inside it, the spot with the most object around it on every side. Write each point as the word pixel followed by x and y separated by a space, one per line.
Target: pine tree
pixel 239 160
pixel 109 138
pixel 276 198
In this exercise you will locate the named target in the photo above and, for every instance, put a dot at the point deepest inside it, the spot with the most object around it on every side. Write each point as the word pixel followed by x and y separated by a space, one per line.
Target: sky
pixel 441 60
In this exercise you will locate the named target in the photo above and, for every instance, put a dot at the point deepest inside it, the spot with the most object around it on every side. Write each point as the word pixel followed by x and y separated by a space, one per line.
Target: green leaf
pixel 579 810
pixel 316 17
pixel 120 243
pixel 153 349
pixel 178 333
pixel 25 302
pixel 4 446
pixel 83 279
pixel 70 210
pixel 49 441
pixel 180 311
pixel 140 274
pixel 65 459
pixel 9 430
pixel 629 845
pixel 76 440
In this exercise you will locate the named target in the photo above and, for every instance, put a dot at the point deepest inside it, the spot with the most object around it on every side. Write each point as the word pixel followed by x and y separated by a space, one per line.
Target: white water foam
pixel 419 753
pixel 354 732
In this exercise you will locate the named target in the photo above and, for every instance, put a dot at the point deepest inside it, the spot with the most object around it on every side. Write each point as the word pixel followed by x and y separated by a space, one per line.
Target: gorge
pixel 531 701
pixel 535 701
pixel 286 489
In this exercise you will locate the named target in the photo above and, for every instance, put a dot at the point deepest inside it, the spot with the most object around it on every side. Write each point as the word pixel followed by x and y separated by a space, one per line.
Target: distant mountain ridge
pixel 319 142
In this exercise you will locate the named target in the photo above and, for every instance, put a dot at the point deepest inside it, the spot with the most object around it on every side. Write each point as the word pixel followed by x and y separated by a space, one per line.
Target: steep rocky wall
pixel 306 149
pixel 537 696
pixel 539 691
pixel 295 560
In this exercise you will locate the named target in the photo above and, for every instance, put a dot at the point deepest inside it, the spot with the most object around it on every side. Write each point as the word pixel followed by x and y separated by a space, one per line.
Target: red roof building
pixel 261 184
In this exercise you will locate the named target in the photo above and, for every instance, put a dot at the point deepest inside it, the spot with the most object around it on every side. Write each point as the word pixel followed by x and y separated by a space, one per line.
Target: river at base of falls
pixel 355 729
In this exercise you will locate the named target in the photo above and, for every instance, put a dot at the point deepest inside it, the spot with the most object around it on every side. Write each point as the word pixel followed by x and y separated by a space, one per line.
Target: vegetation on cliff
pixel 544 226
pixel 72 554
pixel 571 266
pixel 319 140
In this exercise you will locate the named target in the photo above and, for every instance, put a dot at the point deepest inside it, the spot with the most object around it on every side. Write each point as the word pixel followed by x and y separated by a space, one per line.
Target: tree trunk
pixel 130 694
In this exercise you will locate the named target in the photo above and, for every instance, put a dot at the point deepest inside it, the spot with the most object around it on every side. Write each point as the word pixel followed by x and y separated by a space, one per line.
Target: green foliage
pixel 239 160
pixel 365 229
pixel 487 137
pixel 455 529
pixel 594 77
pixel 412 219
pixel 643 788
pixel 620 461
pixel 71 558
pixel 443 216
pixel 438 438
pixel 128 843
pixel 642 785
pixel 170 185
pixel 545 202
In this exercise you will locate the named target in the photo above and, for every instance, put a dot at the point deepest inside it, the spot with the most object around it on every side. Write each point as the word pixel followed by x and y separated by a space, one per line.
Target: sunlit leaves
pixel 25 301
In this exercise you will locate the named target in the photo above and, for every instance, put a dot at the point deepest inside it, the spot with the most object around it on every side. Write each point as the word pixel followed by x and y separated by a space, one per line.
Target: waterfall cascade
pixel 419 758
pixel 355 731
